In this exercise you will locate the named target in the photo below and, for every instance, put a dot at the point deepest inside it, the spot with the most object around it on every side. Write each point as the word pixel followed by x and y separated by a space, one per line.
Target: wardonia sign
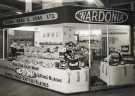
pixel 101 16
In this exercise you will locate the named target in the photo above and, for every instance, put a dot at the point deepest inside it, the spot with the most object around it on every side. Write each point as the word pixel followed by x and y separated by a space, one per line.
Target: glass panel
pixel 18 39
pixel 114 69
pixel 109 46
pixel 47 38
pixel 120 62
pixel 119 39
pixel 98 47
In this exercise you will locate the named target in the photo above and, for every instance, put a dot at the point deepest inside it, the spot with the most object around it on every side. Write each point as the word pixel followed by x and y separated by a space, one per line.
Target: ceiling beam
pixel 99 3
pixel 13 4
pixel 7 7
pixel 122 3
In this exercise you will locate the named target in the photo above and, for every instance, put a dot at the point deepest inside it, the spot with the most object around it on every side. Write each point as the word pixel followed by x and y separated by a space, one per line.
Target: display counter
pixel 117 75
pixel 47 59
pixel 65 81
pixel 55 67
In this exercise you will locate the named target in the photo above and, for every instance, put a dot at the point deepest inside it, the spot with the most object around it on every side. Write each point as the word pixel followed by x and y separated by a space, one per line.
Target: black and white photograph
pixel 67 47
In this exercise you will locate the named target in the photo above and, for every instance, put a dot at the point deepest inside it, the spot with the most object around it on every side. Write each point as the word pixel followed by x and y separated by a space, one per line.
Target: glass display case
pixel 48 56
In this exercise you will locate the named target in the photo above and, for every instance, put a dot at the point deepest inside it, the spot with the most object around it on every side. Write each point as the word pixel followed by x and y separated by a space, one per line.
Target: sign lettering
pixel 25 66
pixel 101 16
pixel 35 18
pixel 28 80
pixel 32 74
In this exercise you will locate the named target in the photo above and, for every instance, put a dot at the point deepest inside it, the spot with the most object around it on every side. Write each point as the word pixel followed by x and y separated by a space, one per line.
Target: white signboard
pixel 35 18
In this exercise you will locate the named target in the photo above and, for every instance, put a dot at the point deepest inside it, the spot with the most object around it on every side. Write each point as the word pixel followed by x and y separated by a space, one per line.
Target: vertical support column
pixel 3 44
pixel 4 31
pixel 107 40
pixel 28 5
pixel 6 42
pixel 89 56
pixel 132 39
pixel 45 4
pixel 51 3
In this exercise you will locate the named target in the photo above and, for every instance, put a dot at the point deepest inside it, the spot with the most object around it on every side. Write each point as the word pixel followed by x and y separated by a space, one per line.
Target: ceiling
pixel 11 7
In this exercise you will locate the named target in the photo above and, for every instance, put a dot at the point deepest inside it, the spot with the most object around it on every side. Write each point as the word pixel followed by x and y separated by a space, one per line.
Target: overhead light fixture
pixel 59 1
pixel 90 1
pixel 19 12
pixel 25 28
pixel 52 1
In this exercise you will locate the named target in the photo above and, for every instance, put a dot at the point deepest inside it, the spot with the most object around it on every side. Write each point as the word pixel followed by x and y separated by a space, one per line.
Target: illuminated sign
pixel 101 16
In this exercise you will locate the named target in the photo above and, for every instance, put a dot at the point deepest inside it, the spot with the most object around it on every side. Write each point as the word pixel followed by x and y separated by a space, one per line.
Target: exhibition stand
pixel 47 49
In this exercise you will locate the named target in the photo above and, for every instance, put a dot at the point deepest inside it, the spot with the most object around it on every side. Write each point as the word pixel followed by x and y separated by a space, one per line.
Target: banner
pixel 67 14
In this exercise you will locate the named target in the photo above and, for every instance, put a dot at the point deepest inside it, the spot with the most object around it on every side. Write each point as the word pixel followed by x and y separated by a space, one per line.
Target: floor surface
pixel 9 87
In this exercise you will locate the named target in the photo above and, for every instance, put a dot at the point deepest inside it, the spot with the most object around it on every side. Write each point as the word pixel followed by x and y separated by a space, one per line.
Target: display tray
pixel 63 81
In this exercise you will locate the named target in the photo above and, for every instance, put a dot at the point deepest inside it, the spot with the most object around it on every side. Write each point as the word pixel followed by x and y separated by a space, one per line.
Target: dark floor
pixel 9 87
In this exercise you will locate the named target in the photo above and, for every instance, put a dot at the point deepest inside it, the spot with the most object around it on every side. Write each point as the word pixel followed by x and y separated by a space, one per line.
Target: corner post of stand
pixel 89 29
